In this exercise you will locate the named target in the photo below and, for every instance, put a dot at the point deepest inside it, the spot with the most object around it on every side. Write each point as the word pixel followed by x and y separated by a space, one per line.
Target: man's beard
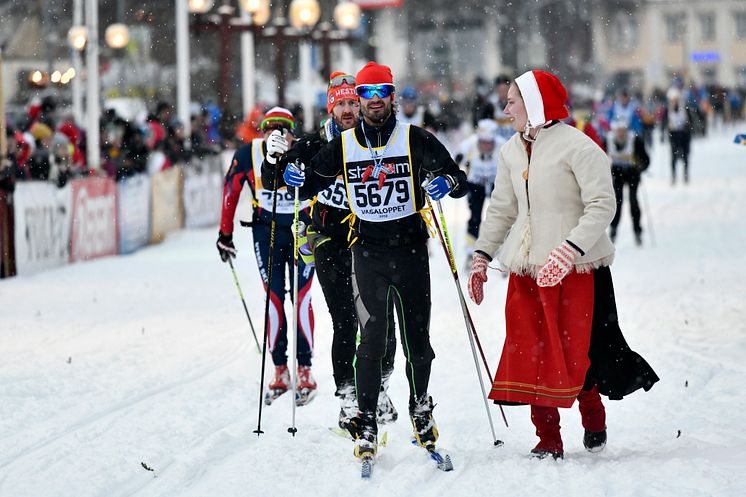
pixel 340 122
pixel 377 120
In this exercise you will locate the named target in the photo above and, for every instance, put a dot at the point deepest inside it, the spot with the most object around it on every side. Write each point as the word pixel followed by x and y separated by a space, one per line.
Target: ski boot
pixel 421 414
pixel 347 405
pixel 279 385
pixel 363 427
pixel 385 411
pixel 594 441
pixel 306 386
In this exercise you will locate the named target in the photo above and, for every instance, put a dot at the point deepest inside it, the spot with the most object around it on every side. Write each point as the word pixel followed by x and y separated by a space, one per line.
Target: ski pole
pixel 293 430
pixel 240 294
pixel 272 226
pixel 450 254
pixel 448 249
pixel 647 212
pixel 470 330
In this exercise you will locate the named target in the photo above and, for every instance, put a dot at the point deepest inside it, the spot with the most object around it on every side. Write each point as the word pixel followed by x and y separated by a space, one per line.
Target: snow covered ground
pixel 148 359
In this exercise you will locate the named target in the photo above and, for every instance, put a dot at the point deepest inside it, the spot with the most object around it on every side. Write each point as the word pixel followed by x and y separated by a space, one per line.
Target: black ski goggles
pixel 369 91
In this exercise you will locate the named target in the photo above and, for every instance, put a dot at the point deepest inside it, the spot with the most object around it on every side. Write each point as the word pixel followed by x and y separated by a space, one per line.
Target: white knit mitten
pixel 559 264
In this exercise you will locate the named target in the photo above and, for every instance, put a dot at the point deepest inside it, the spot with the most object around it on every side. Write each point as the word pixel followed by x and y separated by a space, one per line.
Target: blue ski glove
pixel 439 187
pixel 294 175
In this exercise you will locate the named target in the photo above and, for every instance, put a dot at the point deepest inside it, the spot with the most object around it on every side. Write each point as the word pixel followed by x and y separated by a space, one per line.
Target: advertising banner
pixel 134 213
pixel 94 214
pixel 167 211
pixel 42 214
pixel 203 188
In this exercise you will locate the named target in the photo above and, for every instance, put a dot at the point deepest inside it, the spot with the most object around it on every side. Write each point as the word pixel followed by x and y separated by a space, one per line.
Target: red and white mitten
pixel 559 264
pixel 477 277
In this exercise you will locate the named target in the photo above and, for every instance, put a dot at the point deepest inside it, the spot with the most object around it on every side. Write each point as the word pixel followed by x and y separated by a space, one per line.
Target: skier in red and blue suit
pixel 246 169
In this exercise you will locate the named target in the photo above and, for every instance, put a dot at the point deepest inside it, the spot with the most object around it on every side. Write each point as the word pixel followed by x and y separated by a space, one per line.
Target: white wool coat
pixel 568 196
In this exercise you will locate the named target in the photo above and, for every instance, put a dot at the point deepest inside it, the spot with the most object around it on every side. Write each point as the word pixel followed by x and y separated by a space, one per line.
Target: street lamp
pixel 260 16
pixel 252 6
pixel 304 13
pixel 200 6
pixel 117 35
pixel 303 16
pixel 347 15
pixel 77 37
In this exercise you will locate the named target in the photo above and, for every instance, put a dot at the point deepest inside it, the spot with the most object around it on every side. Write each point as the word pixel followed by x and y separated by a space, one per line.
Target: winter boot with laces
pixel 347 405
pixel 306 386
pixel 363 427
pixel 279 385
pixel 385 411
pixel 421 414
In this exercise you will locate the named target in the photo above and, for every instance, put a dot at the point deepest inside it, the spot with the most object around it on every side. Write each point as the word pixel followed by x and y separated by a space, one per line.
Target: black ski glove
pixel 226 249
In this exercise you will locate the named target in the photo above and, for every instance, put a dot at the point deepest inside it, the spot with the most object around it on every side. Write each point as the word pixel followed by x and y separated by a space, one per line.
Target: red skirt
pixel 548 332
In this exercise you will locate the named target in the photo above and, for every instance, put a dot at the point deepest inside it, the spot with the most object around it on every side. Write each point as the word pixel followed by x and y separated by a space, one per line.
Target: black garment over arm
pixel 324 168
pixel 428 151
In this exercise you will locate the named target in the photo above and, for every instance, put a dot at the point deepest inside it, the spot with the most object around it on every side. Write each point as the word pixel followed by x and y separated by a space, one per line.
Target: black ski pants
pixel 630 176
pixel 477 195
pixel 334 271
pixel 680 141
pixel 383 277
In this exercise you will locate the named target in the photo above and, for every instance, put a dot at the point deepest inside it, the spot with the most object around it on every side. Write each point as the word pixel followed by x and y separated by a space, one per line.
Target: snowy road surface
pixel 148 359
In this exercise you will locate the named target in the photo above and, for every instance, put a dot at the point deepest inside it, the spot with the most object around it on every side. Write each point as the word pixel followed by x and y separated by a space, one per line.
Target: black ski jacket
pixel 429 158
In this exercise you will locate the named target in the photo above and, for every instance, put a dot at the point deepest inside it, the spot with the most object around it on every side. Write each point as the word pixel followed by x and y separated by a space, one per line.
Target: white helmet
pixel 486 130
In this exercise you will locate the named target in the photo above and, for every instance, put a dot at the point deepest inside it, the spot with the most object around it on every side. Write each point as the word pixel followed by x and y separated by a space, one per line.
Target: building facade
pixel 703 41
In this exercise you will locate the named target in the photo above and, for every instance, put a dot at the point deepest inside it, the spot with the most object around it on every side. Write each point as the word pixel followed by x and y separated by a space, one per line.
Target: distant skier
pixel 478 154
pixel 246 169
pixel 411 112
pixel 677 119
pixel 628 160
pixel 498 100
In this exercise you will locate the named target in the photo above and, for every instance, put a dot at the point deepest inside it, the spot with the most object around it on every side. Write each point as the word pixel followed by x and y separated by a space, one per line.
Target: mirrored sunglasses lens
pixel 342 80
pixel 368 92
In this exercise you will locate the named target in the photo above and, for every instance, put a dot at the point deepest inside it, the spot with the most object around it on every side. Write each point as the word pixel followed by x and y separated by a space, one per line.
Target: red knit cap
pixel 278 115
pixel 339 93
pixel 374 74
pixel 544 97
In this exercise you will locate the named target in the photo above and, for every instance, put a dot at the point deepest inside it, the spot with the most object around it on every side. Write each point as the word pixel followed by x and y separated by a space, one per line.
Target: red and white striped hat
pixel 278 114
pixel 544 97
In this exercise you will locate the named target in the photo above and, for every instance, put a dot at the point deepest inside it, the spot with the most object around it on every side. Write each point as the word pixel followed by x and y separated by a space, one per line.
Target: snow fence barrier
pixel 43 226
